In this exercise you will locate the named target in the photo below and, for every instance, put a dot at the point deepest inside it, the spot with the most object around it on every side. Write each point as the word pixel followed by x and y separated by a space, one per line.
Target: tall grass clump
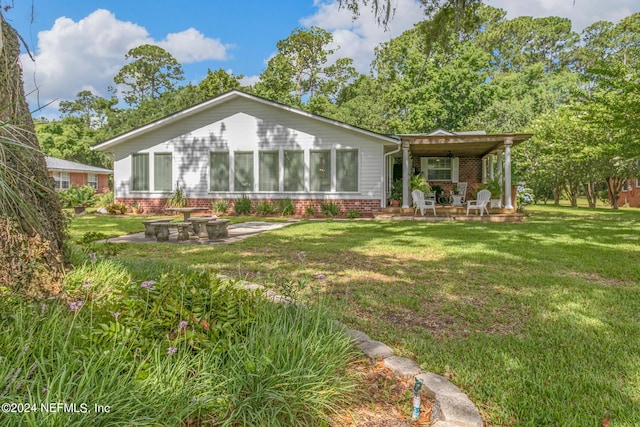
pixel 289 370
pixel 243 206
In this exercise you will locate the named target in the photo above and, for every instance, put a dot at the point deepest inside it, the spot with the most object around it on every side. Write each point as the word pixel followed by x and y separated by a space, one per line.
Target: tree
pixel 152 72
pixel 218 82
pixel 31 219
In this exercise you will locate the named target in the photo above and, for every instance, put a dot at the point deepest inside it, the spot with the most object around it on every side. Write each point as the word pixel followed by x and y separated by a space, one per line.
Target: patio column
pixel 499 170
pixel 508 142
pixel 405 174
pixel 491 167
pixel 484 169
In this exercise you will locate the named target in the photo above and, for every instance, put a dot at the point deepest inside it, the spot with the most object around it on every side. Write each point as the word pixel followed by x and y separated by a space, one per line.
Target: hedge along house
pixel 66 173
pixel 239 145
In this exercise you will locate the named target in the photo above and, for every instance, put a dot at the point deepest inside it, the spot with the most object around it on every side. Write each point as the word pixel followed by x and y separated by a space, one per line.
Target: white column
pixel 405 174
pixel 508 203
pixel 484 170
pixel 491 167
pixel 499 173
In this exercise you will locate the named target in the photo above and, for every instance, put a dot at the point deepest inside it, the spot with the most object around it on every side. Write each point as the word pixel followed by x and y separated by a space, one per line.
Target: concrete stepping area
pixel 237 232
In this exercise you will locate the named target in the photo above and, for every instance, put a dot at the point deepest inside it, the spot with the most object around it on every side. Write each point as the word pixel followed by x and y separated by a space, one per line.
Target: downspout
pixel 386 171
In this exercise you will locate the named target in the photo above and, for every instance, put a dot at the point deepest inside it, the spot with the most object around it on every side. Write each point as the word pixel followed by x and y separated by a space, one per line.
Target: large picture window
pixel 294 171
pixel 219 171
pixel 243 177
pixel 320 170
pixel 162 172
pixel 269 169
pixel 140 172
pixel 346 170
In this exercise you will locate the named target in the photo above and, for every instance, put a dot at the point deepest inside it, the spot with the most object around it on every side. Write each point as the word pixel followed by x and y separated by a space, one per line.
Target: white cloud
pixel 192 46
pixel 358 39
pixel 73 56
pixel 582 14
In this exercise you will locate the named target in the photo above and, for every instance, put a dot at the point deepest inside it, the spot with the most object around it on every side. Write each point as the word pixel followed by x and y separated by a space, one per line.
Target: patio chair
pixel 419 202
pixel 462 190
pixel 481 202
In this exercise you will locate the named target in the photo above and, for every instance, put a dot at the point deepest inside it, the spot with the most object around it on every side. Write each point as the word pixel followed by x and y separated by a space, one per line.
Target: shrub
pixel 330 209
pixel 286 207
pixel 310 210
pixel 77 196
pixel 117 208
pixel 353 213
pixel 102 200
pixel 417 182
pixel 178 198
pixel 243 206
pixel 220 206
pixel 265 208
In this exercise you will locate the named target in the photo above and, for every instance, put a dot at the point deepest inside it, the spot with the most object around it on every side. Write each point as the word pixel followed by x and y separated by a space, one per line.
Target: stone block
pixel 375 349
pixel 402 367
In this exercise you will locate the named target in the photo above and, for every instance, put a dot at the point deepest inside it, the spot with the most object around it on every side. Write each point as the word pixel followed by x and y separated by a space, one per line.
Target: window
pixel 625 185
pixel 346 170
pixel 140 172
pixel 437 168
pixel 92 180
pixel 269 170
pixel 243 178
pixel 162 172
pixel 219 171
pixel 320 171
pixel 62 180
pixel 637 182
pixel 293 171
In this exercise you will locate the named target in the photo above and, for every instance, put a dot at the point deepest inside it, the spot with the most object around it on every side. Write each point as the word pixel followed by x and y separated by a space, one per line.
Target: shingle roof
pixel 67 165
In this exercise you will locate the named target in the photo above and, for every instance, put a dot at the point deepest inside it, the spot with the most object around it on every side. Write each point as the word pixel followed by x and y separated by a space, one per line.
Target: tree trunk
pixel 614 185
pixel 31 220
pixel 591 191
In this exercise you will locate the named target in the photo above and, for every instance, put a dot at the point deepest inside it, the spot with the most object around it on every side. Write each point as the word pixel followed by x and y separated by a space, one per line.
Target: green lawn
pixel 537 322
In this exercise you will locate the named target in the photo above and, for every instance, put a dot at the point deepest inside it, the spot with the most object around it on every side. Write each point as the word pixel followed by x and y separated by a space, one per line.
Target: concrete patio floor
pixel 237 232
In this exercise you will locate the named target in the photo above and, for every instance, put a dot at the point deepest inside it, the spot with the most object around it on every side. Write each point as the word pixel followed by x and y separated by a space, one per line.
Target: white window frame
pixel 92 180
pixel 60 179
pixel 454 169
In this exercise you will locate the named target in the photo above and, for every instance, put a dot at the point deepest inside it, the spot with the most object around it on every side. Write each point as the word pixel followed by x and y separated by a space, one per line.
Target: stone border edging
pixel 451 408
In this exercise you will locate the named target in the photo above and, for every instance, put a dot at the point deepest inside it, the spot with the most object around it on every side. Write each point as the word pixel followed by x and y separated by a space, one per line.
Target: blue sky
pixel 80 44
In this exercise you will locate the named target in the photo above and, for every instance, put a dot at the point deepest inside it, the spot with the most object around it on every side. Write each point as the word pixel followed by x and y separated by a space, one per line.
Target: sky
pixel 80 44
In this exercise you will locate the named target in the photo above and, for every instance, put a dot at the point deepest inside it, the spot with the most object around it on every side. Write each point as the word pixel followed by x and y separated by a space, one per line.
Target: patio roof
pixel 461 144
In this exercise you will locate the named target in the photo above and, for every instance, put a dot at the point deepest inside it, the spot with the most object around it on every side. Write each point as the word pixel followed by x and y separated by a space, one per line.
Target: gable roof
pixel 225 97
pixel 54 164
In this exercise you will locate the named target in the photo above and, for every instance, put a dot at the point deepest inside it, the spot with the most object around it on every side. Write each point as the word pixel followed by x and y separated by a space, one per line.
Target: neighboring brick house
pixel 240 145
pixel 630 194
pixel 67 173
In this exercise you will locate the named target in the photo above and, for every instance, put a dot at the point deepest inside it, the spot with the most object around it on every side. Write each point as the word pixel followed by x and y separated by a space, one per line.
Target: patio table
pixel 186 212
pixel 200 225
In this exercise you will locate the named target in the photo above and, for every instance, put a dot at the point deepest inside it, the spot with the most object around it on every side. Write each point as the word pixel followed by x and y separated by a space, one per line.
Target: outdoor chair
pixel 481 202
pixel 419 202
pixel 462 191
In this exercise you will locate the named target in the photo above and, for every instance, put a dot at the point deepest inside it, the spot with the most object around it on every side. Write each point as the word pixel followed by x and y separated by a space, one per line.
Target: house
pixel 630 194
pixel 238 144
pixel 67 173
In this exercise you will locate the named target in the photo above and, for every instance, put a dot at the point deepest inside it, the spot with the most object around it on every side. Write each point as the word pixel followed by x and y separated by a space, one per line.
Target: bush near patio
pixel 531 320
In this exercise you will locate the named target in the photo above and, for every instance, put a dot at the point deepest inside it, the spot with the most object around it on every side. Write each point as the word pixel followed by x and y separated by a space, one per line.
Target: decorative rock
pixel 375 349
pixel 253 287
pixel 356 336
pixel 452 406
pixel 402 367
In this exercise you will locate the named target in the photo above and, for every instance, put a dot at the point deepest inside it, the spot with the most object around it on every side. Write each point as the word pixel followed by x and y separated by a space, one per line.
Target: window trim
pixel 278 171
pixel 331 170
pixel 304 170
pixel 424 166
pixel 58 178
pixel 148 173
pixel 252 185
pixel 170 171
pixel 229 171
pixel 335 167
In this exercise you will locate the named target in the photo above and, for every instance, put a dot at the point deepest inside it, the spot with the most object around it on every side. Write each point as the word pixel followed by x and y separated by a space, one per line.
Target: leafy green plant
pixel 493 185
pixel 220 206
pixel 353 213
pixel 396 191
pixel 117 208
pixel 102 200
pixel 178 198
pixel 330 209
pixel 286 207
pixel 79 196
pixel 417 182
pixel 243 206
pixel 310 210
pixel 265 208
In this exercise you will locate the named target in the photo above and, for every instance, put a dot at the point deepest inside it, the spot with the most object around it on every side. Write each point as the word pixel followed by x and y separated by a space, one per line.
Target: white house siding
pixel 242 124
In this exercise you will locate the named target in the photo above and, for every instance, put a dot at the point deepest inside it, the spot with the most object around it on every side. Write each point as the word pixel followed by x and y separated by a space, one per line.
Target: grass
pixel 534 321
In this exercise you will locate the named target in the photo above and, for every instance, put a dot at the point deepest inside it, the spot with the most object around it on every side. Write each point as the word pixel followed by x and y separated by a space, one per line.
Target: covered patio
pixel 446 160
